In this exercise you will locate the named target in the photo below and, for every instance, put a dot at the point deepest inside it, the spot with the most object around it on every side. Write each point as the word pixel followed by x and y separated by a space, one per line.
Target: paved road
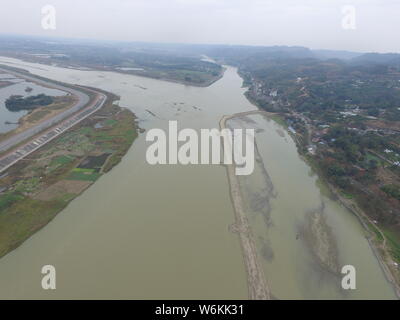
pixel 83 99
pixel 11 158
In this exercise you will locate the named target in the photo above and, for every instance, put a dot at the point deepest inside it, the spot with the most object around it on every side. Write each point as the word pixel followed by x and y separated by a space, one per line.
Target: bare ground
pixel 61 188
pixel 256 281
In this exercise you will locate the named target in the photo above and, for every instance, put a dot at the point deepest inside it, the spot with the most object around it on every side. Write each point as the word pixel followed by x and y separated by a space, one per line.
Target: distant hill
pixel 237 55
pixel 335 54
pixel 115 53
pixel 377 58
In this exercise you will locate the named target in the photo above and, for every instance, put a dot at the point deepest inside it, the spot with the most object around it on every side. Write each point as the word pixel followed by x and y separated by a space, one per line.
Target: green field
pixel 61 160
pixel 36 192
pixel 83 174
pixel 393 243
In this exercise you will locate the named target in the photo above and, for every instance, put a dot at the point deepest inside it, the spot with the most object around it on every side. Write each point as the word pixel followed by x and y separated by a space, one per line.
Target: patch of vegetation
pixel 83 175
pixel 38 115
pixel 27 185
pixel 18 103
pixel 24 217
pixel 110 122
pixel 392 190
pixel 394 244
pixel 94 162
pixel 8 199
pixel 348 195
pixel 61 160
pixel 37 194
pixel 66 197
pixel 279 119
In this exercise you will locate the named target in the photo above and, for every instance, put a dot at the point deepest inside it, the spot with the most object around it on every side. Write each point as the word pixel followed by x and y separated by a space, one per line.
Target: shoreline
pixel 371 238
pixel 83 68
pixel 185 83
pixel 256 280
pixel 351 207
pixel 37 201
pixel 80 99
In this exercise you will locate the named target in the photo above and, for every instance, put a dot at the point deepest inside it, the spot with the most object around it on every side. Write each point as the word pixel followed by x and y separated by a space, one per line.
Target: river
pixel 145 231
pixel 9 119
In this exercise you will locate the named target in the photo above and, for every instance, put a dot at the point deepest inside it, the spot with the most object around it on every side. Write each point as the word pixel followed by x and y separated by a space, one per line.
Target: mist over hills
pixel 116 52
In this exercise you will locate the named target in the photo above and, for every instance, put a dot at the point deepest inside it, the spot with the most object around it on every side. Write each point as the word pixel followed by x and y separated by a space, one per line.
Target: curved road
pixel 38 141
pixel 83 100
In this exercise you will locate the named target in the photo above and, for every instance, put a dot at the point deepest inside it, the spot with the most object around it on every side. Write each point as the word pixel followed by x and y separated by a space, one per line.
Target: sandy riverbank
pixel 257 284
pixel 251 258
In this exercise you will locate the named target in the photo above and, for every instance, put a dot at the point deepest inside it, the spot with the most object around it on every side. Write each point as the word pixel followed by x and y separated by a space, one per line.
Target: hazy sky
pixel 311 23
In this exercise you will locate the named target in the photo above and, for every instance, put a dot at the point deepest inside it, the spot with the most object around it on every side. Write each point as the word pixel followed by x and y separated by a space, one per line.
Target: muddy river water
pixel 145 231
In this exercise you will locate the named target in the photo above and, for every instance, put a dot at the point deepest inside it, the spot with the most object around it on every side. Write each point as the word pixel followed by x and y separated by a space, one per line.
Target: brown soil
pixel 387 177
pixel 61 188
pixel 43 113
pixel 382 124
